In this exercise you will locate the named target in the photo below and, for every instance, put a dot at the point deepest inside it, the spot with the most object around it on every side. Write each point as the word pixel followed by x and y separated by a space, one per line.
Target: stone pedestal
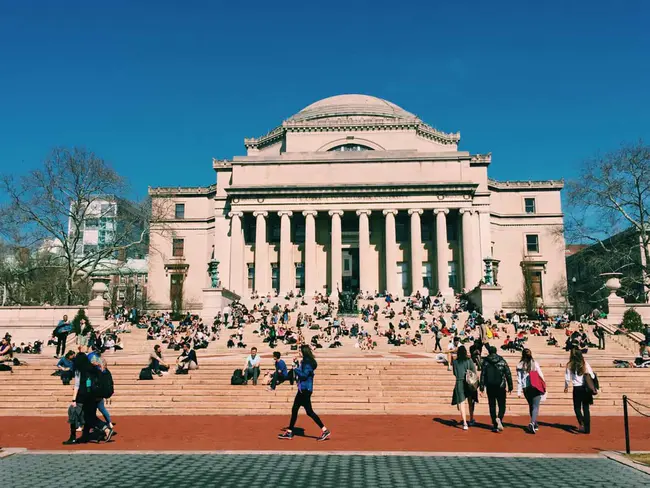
pixel 487 298
pixel 98 305
pixel 214 301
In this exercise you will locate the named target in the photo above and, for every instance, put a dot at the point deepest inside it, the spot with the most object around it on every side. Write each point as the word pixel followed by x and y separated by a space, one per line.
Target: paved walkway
pixel 325 471
pixel 368 433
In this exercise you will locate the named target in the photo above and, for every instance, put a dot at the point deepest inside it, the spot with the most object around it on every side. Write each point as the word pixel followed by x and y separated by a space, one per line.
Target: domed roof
pixel 352 106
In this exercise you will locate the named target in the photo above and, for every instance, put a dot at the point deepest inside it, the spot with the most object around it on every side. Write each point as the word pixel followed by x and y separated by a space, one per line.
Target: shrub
pixel 632 321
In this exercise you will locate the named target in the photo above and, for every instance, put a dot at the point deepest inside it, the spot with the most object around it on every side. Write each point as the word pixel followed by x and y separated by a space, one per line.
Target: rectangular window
pixel 452 231
pixel 529 204
pixel 298 231
pixel 179 211
pixel 300 276
pixel 427 279
pixel 250 225
pixel 177 247
pixel 532 243
pixel 536 281
pixel 275 276
pixel 251 277
pixel 92 223
pixel 453 275
pixel 273 231
pixel 401 232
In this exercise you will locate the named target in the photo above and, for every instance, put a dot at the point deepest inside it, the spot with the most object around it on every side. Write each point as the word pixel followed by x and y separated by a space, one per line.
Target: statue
pixel 348 301
pixel 213 271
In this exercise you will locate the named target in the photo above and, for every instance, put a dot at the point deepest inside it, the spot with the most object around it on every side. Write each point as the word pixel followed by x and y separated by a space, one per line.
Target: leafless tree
pixel 49 208
pixel 609 209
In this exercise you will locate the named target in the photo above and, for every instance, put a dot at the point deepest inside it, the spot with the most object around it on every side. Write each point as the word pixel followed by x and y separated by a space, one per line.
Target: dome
pixel 364 106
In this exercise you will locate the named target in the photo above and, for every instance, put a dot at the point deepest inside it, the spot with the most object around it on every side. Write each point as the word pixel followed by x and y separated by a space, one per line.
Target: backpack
pixel 146 374
pixel 471 379
pixel 493 375
pixel 237 377
pixel 102 384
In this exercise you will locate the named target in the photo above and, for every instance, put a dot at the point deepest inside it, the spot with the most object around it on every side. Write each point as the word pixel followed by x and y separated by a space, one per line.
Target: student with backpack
pixel 580 375
pixel 495 376
pixel 304 374
pixel 466 388
pixel 530 382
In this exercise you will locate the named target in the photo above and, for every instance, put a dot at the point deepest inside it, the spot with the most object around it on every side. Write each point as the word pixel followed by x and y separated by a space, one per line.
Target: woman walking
pixel 464 393
pixel 530 382
pixel 581 376
pixel 304 375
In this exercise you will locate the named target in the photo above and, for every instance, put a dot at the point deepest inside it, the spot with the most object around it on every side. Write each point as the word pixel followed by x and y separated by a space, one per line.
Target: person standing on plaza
pixel 304 375
pixel 579 374
pixel 530 382
pixel 495 376
pixel 63 328
pixel 464 393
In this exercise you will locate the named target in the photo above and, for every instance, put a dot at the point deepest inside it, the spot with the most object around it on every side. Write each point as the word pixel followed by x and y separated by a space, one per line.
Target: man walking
pixel 599 332
pixel 495 376
pixel 61 332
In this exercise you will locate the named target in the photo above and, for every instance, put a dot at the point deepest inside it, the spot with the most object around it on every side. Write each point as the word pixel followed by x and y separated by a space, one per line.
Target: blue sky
pixel 159 88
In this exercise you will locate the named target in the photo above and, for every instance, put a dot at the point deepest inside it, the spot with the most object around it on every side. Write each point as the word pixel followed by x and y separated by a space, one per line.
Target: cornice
pixel 344 157
pixel 525 185
pixel 182 191
pixel 221 163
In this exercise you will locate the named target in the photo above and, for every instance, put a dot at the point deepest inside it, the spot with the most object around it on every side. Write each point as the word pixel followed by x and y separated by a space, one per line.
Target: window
pixel 251 277
pixel 452 231
pixel 532 243
pixel 275 276
pixel 536 282
pixel 122 279
pixel 179 211
pixel 402 232
pixel 298 231
pixel 300 276
pixel 273 231
pixel 403 271
pixel 250 225
pixel 177 247
pixel 529 204
pixel 453 275
pixel 92 223
pixel 427 276
pixel 351 147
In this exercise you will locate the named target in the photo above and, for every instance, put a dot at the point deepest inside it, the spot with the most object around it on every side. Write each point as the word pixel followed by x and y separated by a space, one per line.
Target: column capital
pixel 389 211
pixel 235 214
pixel 436 211
pixel 418 211
pixel 288 213
pixel 332 213
pixel 313 213
pixel 363 212
pixel 260 213
pixel 466 211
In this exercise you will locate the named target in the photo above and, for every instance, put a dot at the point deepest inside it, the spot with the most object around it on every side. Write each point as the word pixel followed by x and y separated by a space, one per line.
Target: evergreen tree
pixel 76 322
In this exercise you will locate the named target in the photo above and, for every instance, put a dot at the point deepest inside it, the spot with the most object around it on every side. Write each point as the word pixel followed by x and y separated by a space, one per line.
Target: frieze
pixel 530 185
pixel 182 190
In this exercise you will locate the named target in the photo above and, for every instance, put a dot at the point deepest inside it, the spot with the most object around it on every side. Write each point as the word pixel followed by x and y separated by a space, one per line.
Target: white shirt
pixel 451 346
pixel 253 361
pixel 523 377
pixel 570 377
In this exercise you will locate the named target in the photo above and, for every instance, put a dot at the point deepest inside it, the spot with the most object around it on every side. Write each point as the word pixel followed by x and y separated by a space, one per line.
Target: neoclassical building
pixel 356 193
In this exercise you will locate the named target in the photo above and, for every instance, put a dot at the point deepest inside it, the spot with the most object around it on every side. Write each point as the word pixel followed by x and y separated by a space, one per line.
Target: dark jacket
pixel 305 376
pixel 494 366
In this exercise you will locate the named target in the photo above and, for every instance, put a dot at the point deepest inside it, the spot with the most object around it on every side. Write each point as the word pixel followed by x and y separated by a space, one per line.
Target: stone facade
pixel 353 192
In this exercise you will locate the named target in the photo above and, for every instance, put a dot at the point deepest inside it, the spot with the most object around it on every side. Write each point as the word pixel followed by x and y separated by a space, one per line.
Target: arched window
pixel 351 147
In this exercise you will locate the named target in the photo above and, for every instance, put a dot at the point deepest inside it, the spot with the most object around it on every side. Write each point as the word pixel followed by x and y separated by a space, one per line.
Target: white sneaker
pixel 499 425
pixel 465 427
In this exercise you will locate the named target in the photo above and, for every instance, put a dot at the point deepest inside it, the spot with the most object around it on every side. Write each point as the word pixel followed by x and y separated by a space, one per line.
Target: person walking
pixel 63 328
pixel 495 376
pixel 530 382
pixel 304 375
pixel 464 392
pixel 599 332
pixel 579 374
pixel 438 335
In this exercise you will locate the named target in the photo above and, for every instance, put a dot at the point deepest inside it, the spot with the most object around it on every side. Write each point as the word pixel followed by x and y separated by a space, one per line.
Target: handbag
pixel 471 379
pixel 591 383
pixel 537 382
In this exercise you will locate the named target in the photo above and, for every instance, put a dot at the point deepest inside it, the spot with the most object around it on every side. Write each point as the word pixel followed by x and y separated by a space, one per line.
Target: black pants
pixel 582 398
pixel 91 421
pixel 437 346
pixel 303 399
pixel 278 378
pixel 60 346
pixel 601 342
pixel 496 395
pixel 253 372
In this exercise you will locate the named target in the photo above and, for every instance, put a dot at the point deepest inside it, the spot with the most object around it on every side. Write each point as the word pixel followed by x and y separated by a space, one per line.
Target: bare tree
pixel 53 205
pixel 609 209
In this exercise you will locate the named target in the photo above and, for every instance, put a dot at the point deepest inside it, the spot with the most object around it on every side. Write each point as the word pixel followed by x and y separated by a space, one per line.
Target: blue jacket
pixel 305 376
pixel 281 368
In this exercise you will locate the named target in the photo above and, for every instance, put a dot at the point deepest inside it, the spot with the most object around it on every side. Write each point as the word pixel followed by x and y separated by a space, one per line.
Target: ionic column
pixel 236 253
pixel 336 250
pixel 391 252
pixel 262 284
pixel 416 250
pixel 364 251
pixel 442 250
pixel 287 280
pixel 469 275
pixel 310 251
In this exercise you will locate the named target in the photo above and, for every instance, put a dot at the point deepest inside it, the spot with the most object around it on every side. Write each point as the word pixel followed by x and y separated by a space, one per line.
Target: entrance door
pixel 350 269
pixel 176 292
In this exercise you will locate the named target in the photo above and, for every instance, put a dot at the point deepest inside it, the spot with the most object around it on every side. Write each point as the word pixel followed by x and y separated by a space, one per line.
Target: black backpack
pixel 102 384
pixel 146 374
pixel 493 374
pixel 237 377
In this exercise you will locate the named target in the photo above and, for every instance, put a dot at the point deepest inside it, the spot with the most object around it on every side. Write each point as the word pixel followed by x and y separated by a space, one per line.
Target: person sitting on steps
pixel 281 374
pixel 187 360
pixel 252 367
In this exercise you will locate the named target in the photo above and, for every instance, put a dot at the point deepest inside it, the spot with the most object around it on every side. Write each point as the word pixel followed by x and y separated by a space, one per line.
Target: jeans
pixel 60 345
pixel 437 347
pixel 533 405
pixel 278 378
pixel 601 342
pixel 102 409
pixel 496 395
pixel 303 399
pixel 582 398
pixel 252 372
